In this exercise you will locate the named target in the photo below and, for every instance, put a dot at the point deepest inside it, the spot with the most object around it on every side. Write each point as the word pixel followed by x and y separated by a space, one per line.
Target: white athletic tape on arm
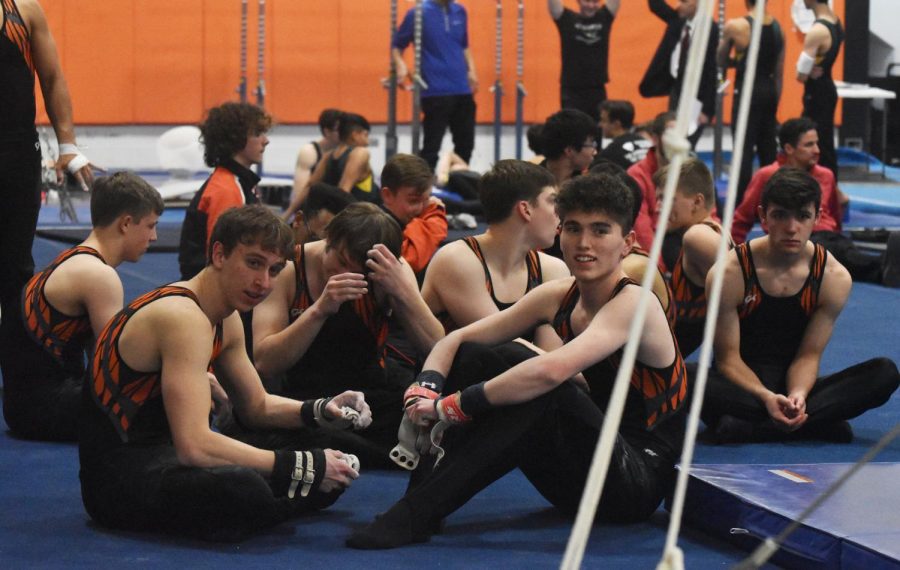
pixel 77 163
pixel 68 148
pixel 805 63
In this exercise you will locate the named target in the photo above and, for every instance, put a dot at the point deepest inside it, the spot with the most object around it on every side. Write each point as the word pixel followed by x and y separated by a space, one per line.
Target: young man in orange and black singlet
pixel 234 139
pixel 65 306
pixel 820 50
pixel 691 214
pixel 478 276
pixel 324 326
pixel 764 93
pixel 529 416
pixel 149 460
pixel 781 297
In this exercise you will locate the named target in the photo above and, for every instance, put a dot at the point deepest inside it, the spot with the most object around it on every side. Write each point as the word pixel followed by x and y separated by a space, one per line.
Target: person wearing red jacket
pixel 642 172
pixel 799 143
pixel 406 195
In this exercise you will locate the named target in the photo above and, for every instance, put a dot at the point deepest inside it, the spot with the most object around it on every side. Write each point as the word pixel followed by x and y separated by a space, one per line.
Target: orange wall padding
pixel 166 61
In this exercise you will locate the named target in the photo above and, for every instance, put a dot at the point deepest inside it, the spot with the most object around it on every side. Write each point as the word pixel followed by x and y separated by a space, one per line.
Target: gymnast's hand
pixel 422 412
pixel 784 412
pixel 354 400
pixel 386 270
pixel 340 288
pixel 338 473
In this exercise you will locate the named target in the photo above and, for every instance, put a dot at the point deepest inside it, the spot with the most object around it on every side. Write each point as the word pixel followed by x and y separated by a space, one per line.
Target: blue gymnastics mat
pixel 858 527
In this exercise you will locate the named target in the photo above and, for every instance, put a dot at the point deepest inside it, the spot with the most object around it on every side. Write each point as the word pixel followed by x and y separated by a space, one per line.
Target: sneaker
pixel 890 264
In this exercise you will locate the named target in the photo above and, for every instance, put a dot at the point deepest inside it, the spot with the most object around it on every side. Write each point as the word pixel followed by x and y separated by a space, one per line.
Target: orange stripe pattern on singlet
pixel 119 389
pixel 53 330
pixel 366 307
pixel 753 294
pixel 669 306
pixel 663 390
pixel 534 278
pixel 14 29
pixel 690 299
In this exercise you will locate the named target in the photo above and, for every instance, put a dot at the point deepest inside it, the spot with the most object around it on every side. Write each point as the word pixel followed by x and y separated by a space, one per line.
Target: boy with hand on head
pixel 149 460
pixel 64 307
pixel 324 326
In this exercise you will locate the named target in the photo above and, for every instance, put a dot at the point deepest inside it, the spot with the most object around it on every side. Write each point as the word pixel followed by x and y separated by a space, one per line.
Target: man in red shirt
pixel 799 143
pixel 643 172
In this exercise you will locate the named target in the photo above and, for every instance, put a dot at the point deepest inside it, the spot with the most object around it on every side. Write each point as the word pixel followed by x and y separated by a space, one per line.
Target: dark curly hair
pixel 226 128
pixel 597 193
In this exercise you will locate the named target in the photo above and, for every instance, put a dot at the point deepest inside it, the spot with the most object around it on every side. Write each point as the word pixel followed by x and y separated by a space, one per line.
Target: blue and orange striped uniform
pixel 347 353
pixel 131 399
pixel 690 303
pixel 655 394
pixel 773 327
pixel 62 336
pixel 535 278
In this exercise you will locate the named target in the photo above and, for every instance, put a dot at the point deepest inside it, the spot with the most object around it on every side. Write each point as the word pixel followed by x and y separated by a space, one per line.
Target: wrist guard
pixel 416 391
pixel 449 410
pixel 298 469
pixel 313 415
pixel 431 379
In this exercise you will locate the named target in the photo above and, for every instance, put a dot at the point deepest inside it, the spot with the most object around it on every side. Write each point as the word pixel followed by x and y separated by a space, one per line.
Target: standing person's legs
pixel 20 177
pixel 436 113
pixel 585 99
pixel 751 139
pixel 462 126
pixel 820 108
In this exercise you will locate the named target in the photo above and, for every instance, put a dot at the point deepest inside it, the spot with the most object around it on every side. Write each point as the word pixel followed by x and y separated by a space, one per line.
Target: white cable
pixel 671 553
pixel 676 142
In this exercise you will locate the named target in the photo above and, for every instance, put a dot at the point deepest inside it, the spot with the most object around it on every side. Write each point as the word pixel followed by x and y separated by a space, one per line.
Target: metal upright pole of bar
pixel 390 138
pixel 718 133
pixel 418 82
pixel 242 86
pixel 497 89
pixel 261 64
pixel 520 73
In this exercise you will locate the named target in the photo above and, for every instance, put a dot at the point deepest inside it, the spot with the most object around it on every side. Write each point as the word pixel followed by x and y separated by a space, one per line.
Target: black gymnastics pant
pixel 819 103
pixel 551 439
pixel 144 488
pixel 440 112
pixel 41 397
pixel 761 134
pixel 20 177
pixel 585 99
pixel 834 398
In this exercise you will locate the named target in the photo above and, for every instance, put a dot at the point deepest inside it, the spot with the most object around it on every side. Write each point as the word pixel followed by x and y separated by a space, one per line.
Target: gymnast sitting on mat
pixel 149 460
pixel 64 307
pixel 781 297
pixel 530 416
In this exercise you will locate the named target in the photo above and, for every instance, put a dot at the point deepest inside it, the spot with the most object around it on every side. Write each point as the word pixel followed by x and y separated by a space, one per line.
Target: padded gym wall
pixel 166 61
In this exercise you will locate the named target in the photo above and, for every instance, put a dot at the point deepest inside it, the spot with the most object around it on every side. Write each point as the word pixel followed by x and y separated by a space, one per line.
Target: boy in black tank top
pixel 820 50
pixel 324 327
pixel 781 297
pixel 149 458
pixel 65 306
pixel 530 416
pixel 311 153
pixel 691 215
pixel 765 91
pixel 476 277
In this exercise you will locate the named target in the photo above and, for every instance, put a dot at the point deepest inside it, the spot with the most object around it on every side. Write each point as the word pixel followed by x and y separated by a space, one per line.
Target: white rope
pixel 676 148
pixel 672 558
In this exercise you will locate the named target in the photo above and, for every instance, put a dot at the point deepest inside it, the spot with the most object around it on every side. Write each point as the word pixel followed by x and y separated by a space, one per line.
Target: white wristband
pixel 805 63
pixel 77 163
pixel 68 148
